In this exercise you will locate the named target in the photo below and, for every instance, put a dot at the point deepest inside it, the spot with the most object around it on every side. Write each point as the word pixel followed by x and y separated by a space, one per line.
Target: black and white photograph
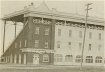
pixel 52 35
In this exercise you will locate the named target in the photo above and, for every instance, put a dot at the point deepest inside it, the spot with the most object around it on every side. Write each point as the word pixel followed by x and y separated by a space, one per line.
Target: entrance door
pixel 35 59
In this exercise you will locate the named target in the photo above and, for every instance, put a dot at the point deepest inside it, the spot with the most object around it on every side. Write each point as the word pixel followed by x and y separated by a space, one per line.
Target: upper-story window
pixel 36 43
pixel 90 35
pixel 99 36
pixel 80 46
pixel 59 32
pixel 90 47
pixel 80 34
pixel 69 44
pixel 46 31
pixel 20 44
pixel 46 44
pixel 37 30
pixel 25 43
pixel 58 44
pixel 70 33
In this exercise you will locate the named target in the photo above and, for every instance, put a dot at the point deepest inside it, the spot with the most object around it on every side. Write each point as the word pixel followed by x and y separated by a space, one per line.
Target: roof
pixel 43 8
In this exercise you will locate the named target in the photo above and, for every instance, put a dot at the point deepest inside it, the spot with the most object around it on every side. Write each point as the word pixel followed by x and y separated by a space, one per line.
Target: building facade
pixel 54 38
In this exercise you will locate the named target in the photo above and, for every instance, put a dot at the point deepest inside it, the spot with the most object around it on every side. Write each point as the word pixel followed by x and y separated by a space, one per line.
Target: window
pixel 25 43
pixel 90 47
pixel 46 44
pixel 80 46
pixel 15 45
pixel 80 34
pixel 69 44
pixel 98 59
pixel 20 43
pixel 46 31
pixel 89 59
pixel 90 35
pixel 99 36
pixel 58 58
pixel 36 43
pixel 68 58
pixel 78 59
pixel 45 58
pixel 58 44
pixel 70 33
pixel 37 30
pixel 59 32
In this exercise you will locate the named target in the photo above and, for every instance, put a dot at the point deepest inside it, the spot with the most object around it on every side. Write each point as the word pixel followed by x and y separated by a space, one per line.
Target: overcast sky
pixel 69 6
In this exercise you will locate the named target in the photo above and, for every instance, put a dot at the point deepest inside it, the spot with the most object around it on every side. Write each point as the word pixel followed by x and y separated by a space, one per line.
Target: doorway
pixel 36 59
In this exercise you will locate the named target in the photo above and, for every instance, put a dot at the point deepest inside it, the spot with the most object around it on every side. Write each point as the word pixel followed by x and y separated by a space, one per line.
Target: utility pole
pixel 4 35
pixel 87 9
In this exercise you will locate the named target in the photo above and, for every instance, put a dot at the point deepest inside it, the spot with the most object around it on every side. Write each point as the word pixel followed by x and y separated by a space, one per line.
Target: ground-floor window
pixel 98 59
pixel 58 58
pixel 68 58
pixel 78 59
pixel 89 59
pixel 45 58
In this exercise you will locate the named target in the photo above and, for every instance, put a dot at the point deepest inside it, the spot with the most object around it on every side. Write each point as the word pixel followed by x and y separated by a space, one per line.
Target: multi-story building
pixel 53 37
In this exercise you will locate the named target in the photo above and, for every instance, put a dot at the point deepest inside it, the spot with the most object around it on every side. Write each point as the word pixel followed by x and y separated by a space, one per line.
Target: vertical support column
pixel 11 57
pixel 24 58
pixel 6 59
pixel 30 33
pixel 4 35
pixel 53 21
pixel 15 58
pixel 19 58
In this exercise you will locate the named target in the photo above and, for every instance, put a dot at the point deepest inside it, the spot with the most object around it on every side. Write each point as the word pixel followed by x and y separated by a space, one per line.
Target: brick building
pixel 53 37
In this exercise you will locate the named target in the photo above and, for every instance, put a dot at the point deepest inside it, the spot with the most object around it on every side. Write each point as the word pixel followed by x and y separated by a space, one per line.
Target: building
pixel 53 37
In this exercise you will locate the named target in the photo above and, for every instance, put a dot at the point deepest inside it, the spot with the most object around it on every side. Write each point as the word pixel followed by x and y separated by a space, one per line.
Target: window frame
pixel 46 31
pixel 89 59
pixel 36 43
pixel 37 30
pixel 46 44
pixel 45 57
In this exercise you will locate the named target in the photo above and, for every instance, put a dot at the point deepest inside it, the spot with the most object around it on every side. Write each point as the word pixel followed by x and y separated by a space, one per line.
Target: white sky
pixel 69 6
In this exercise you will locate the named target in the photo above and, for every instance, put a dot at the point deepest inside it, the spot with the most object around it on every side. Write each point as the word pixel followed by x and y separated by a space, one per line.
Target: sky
pixel 68 6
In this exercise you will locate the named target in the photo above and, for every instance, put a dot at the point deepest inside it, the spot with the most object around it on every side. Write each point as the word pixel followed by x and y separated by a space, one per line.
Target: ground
pixel 47 68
